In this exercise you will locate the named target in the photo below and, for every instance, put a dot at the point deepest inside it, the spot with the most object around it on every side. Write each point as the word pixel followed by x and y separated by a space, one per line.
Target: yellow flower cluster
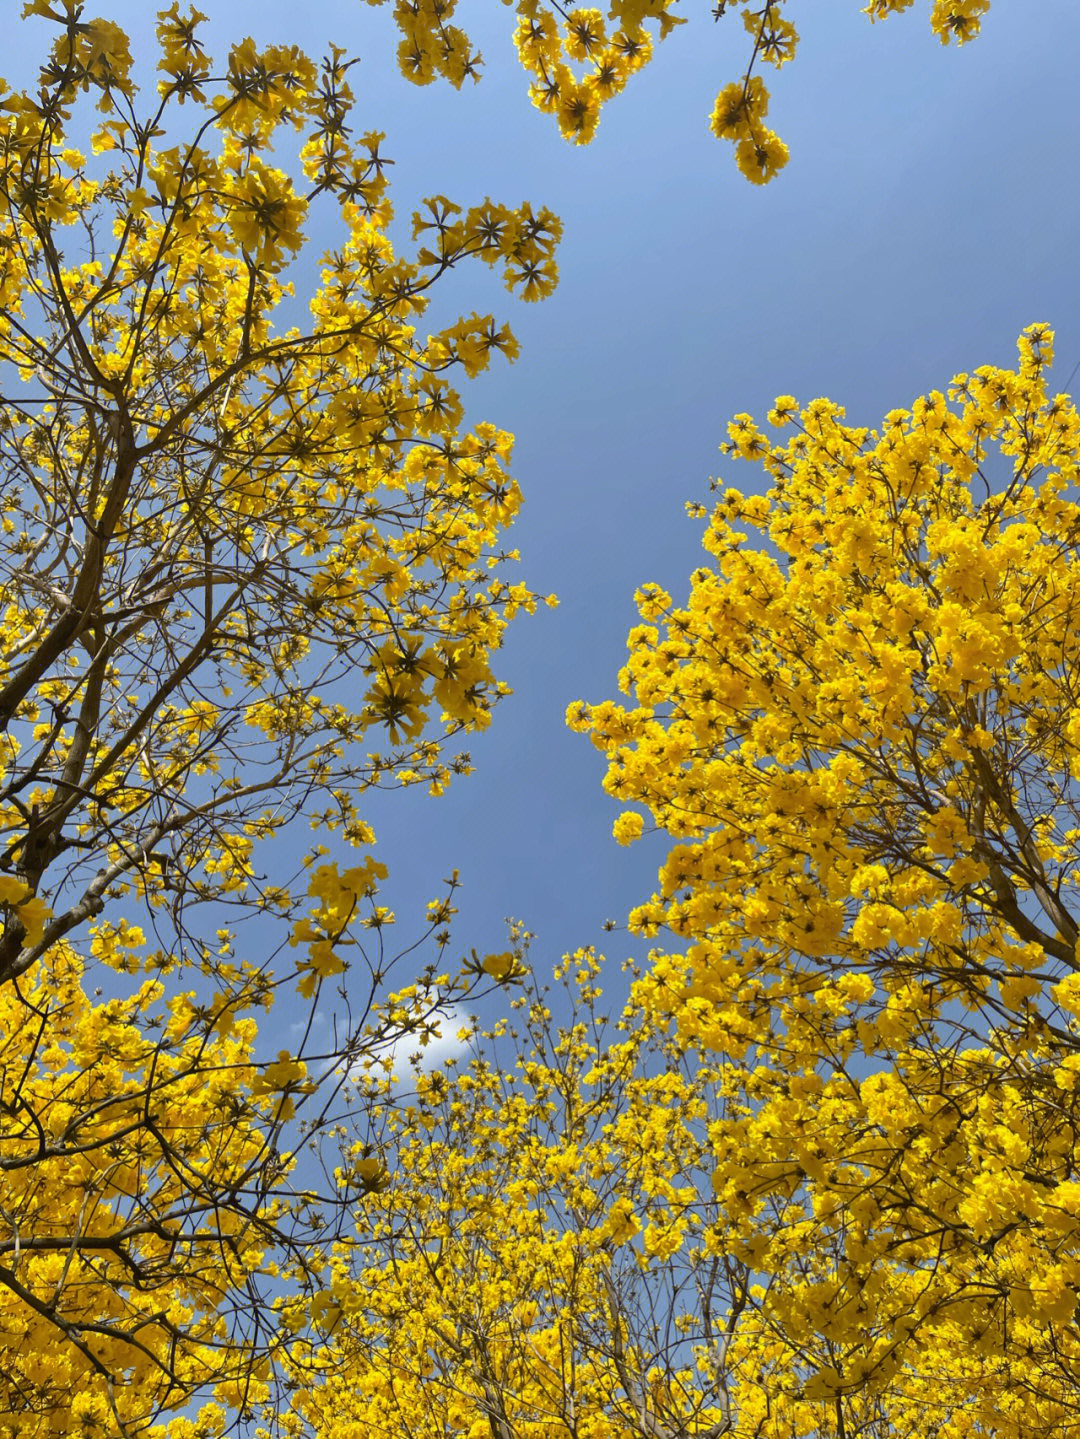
pixel 282 509
pixel 513 1219
pixel 820 1175
pixel 252 565
pixel 859 734
pixel 579 58
pixel 119 1237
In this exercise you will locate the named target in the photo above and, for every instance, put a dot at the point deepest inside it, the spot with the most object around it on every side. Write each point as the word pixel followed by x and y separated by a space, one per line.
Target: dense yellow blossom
pixel 527 1232
pixel 252 566
pixel 134 1208
pixel 820 1176
pixel 859 735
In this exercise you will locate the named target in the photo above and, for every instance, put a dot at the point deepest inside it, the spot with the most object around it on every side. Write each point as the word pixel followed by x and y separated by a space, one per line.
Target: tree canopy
pixel 535 1256
pixel 251 565
pixel 818 1176
pixel 859 734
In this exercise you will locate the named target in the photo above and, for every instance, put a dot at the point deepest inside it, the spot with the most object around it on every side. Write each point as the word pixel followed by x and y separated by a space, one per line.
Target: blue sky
pixel 928 214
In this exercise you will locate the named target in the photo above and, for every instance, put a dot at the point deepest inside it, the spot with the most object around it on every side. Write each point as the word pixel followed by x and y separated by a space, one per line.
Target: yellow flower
pixel 628 827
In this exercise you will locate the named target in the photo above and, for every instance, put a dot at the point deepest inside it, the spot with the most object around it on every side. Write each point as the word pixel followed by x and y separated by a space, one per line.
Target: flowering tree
pixel 249 557
pixel 861 739
pixel 252 565
pixel 542 1249
pixel 532 1255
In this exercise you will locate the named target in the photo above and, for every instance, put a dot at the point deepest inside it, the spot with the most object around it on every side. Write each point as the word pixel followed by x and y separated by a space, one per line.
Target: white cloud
pixel 445 1044
pixel 317 1022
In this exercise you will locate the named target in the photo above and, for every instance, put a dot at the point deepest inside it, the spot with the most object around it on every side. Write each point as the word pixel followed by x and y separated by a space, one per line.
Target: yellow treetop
pixel 252 564
pixel 525 1265
pixel 859 735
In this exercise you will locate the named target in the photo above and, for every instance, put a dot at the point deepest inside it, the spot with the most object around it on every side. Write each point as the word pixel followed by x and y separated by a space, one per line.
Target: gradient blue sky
pixel 929 213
